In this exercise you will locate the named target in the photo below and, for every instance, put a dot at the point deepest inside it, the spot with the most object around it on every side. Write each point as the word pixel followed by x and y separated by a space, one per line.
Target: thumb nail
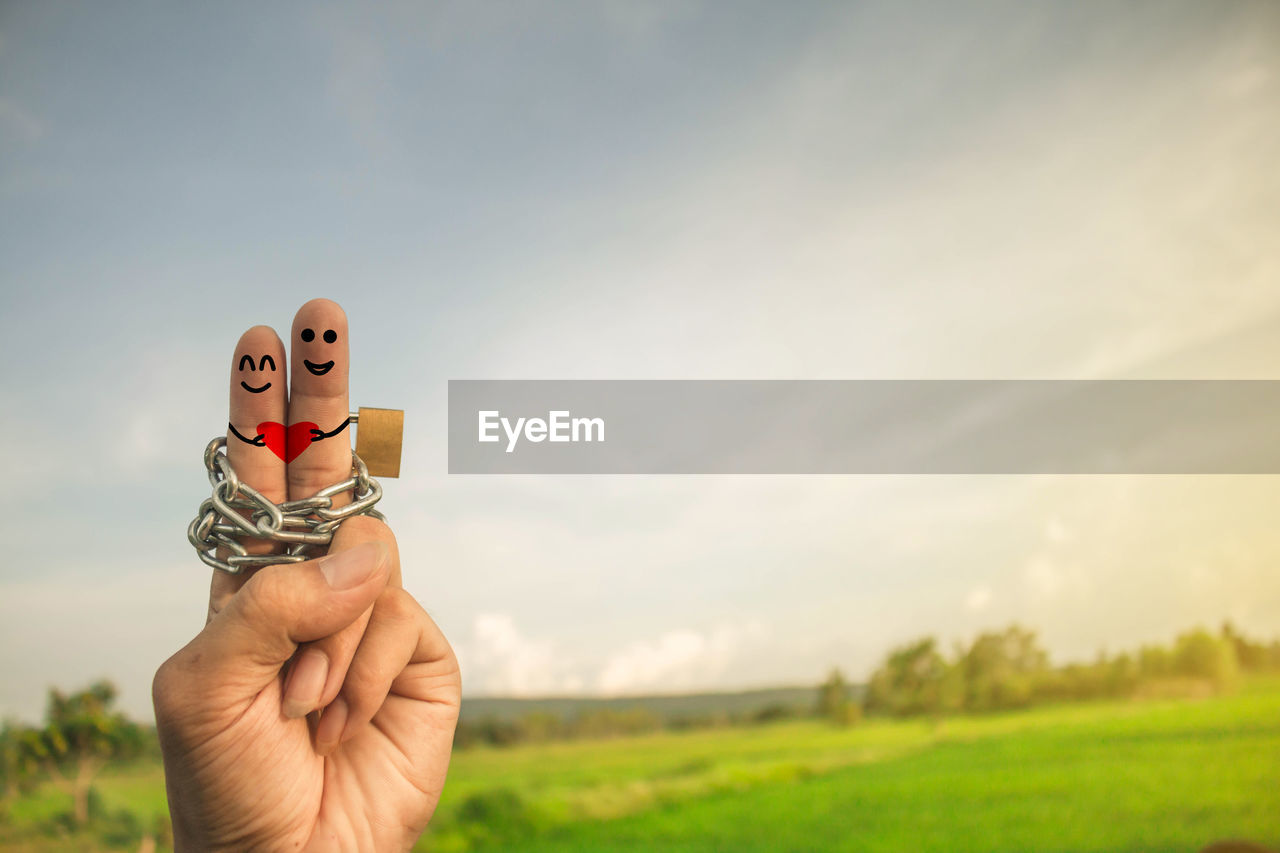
pixel 351 568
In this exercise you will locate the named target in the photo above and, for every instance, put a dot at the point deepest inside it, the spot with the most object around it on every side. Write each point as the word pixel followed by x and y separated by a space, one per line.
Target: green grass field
pixel 1140 776
pixel 1118 776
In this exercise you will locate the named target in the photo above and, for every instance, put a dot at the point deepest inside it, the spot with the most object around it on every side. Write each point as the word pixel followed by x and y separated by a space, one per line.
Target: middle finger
pixel 319 444
pixel 319 455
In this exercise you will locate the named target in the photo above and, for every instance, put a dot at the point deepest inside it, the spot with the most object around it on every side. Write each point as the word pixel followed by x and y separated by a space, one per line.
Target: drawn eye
pixel 308 335
pixel 330 336
pixel 266 359
pixel 249 359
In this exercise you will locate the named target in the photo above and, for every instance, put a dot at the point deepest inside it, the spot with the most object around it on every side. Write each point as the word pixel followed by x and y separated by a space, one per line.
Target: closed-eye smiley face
pixel 330 336
pixel 246 363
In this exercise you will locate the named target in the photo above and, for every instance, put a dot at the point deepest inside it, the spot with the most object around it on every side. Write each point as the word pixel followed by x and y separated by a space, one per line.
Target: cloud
pixel 156 410
pixel 1048 578
pixel 52 629
pixel 358 86
pixel 676 660
pixel 634 20
pixel 21 122
pixel 978 598
pixel 1044 578
pixel 501 660
pixel 1055 531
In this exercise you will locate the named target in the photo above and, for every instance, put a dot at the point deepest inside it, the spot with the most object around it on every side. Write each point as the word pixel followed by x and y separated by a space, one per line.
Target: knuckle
pixel 253 603
pixel 396 605
pixel 453 675
pixel 263 596
pixel 340 647
pixel 364 692
pixel 163 688
pixel 175 682
pixel 361 682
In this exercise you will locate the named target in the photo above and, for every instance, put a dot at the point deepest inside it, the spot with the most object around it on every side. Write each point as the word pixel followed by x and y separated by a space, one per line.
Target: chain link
pixel 237 511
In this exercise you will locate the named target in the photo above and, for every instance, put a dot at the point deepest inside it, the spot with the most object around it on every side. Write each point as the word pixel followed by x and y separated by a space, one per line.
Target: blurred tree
pixel 540 726
pixel 10 759
pixel 834 702
pixel 1001 669
pixel 1250 655
pixel 10 755
pixel 1122 676
pixel 610 722
pixel 914 679
pixel 19 768
pixel 1201 654
pixel 80 735
pixel 771 713
pixel 1155 662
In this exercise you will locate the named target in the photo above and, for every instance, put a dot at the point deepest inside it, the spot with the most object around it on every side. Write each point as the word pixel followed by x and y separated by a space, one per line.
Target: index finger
pixel 255 435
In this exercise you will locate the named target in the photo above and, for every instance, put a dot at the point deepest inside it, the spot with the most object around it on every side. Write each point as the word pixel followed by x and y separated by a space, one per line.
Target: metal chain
pixel 301 525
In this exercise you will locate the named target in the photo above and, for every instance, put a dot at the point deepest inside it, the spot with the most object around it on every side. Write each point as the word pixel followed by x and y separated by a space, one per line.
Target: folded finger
pixel 319 669
pixel 404 656
pixel 388 645
pixel 241 650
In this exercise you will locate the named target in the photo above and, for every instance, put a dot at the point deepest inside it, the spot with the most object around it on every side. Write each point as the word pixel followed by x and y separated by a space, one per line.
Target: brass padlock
pixel 379 435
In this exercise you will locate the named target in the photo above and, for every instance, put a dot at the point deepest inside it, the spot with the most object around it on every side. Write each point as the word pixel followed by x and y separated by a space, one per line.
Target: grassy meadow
pixel 1126 775
pixel 1131 775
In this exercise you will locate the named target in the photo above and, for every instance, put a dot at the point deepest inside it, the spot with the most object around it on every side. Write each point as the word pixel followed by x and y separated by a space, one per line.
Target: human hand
pixel 346 748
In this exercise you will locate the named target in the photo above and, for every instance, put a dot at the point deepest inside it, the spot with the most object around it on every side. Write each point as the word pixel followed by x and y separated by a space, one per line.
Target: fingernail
pixel 348 569
pixel 332 722
pixel 306 683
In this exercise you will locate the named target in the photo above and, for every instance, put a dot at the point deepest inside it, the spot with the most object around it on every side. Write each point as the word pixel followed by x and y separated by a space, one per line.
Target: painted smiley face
pixel 247 359
pixel 309 335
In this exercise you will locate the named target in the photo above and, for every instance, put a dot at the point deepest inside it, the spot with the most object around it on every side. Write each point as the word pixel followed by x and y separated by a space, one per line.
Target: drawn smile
pixel 252 390
pixel 318 369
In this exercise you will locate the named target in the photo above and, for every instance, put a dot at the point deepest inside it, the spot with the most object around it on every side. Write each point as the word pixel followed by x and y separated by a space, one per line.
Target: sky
pixel 634 190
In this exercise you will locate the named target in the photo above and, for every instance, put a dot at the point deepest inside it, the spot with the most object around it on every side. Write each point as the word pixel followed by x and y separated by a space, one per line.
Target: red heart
pixel 287 444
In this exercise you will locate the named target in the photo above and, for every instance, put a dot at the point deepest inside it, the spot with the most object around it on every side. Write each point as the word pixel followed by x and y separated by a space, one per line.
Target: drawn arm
pixel 318 434
pixel 258 441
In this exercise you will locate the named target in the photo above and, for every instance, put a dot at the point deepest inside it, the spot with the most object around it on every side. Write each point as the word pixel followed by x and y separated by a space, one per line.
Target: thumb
pixel 291 603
